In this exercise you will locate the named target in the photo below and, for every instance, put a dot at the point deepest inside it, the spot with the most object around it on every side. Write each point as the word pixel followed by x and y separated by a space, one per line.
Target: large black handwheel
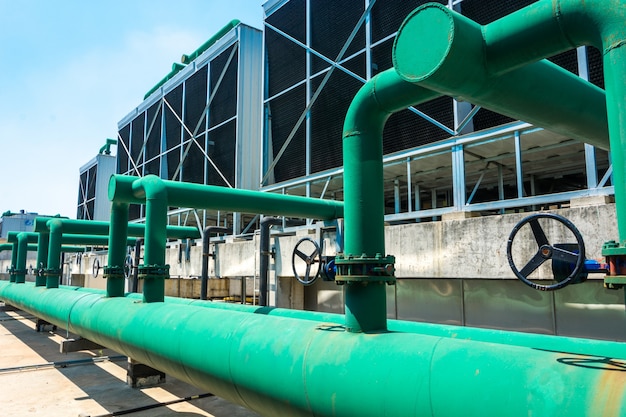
pixel 574 255
pixel 95 268
pixel 307 251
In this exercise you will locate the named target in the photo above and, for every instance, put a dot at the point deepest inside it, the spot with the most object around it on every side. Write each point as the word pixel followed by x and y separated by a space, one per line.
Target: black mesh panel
pixel 332 22
pixel 91 186
pixel 567 60
pixel 387 15
pixel 134 211
pixel 286 61
pixel 193 165
pixel 173 129
pixel 224 103
pixel 122 155
pixel 595 66
pixel 284 112
pixel 137 132
pixel 195 101
pixel 406 130
pixel 381 57
pixel 222 145
pixel 327 117
pixel 153 145
pixel 486 11
pixel 485 119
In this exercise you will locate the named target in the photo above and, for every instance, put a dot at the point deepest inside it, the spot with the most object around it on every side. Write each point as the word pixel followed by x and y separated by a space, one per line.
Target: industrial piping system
pixel 325 370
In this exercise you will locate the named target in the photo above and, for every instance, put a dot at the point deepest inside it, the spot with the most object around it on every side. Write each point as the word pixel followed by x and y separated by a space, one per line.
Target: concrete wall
pixel 450 271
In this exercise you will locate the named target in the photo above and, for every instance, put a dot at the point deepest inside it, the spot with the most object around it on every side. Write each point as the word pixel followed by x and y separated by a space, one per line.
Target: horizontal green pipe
pixel 284 366
pixel 176 68
pixel 95 227
pixel 580 346
pixel 442 50
pixel 186 59
pixel 132 190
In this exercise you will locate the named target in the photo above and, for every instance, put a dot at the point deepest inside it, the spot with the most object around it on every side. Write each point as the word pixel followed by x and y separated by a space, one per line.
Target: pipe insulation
pixel 322 367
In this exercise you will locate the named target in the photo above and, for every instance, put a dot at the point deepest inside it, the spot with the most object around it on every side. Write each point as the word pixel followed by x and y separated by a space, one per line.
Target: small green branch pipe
pixel 321 369
pixel 158 195
pixel 42 258
pixel 443 50
pixel 118 232
pixel 106 149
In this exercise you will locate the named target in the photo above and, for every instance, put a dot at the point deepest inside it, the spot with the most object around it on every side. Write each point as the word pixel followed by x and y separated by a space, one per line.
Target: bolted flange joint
pixel 52 272
pixel 113 272
pixel 615 255
pixel 153 271
pixel 365 269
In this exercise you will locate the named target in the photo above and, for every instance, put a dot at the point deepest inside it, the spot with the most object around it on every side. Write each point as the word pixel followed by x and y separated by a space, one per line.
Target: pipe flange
pixel 153 271
pixel 20 271
pixel 365 269
pixel 113 272
pixel 52 272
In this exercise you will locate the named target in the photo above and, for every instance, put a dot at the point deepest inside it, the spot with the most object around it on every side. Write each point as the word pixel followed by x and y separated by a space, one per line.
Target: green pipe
pixel 158 194
pixel 324 371
pixel 521 37
pixel 176 68
pixel 513 43
pixel 443 50
pixel 42 259
pixel 117 251
pixel 186 59
pixel 106 149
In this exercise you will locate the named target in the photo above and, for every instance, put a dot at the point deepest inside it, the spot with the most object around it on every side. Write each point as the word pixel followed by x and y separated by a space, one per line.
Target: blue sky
pixel 71 69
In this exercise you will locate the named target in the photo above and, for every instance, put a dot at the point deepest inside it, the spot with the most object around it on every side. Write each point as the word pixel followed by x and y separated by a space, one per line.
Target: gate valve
pixel 568 259
pixel 95 268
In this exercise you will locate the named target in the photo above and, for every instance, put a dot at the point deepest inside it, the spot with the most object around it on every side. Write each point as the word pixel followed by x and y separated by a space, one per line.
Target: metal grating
pixel 595 66
pixel 221 150
pixel 195 100
pixel 388 15
pixel 486 11
pixel 193 164
pixel 332 22
pixel 153 144
pixel 567 60
pixel 122 156
pixel 173 129
pixel 224 104
pixel 284 111
pixel 136 137
pixel 286 61
pixel 327 117
pixel 406 130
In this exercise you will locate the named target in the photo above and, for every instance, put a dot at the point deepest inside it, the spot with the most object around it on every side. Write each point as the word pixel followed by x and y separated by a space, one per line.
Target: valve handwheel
pixel 95 268
pixel 128 266
pixel 303 247
pixel 547 251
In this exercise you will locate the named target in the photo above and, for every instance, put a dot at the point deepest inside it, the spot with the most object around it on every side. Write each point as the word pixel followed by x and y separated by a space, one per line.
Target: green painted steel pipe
pixel 176 68
pixel 186 59
pixel 117 252
pixel 159 194
pixel 514 42
pixel 443 50
pixel 106 149
pixel 325 371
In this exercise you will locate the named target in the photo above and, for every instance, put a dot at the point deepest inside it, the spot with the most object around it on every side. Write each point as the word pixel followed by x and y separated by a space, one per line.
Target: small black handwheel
pixel 303 247
pixel 95 268
pixel 128 266
pixel 574 255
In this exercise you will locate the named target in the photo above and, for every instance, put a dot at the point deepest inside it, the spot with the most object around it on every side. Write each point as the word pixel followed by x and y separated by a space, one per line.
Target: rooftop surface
pixel 38 380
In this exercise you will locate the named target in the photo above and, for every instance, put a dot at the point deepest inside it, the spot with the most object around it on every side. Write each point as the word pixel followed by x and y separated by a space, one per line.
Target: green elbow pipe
pixel 443 50
pixel 158 194
pixel 322 369
pixel 106 149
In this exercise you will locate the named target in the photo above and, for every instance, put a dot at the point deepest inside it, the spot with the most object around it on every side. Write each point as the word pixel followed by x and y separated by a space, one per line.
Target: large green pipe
pixel 510 47
pixel 159 194
pixel 321 370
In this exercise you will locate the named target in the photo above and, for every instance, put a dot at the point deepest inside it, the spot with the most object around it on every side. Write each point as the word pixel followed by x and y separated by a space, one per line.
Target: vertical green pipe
pixel 20 265
pixel 42 259
pixel 155 270
pixel 614 70
pixel 365 302
pixel 53 271
pixel 13 262
pixel 118 232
